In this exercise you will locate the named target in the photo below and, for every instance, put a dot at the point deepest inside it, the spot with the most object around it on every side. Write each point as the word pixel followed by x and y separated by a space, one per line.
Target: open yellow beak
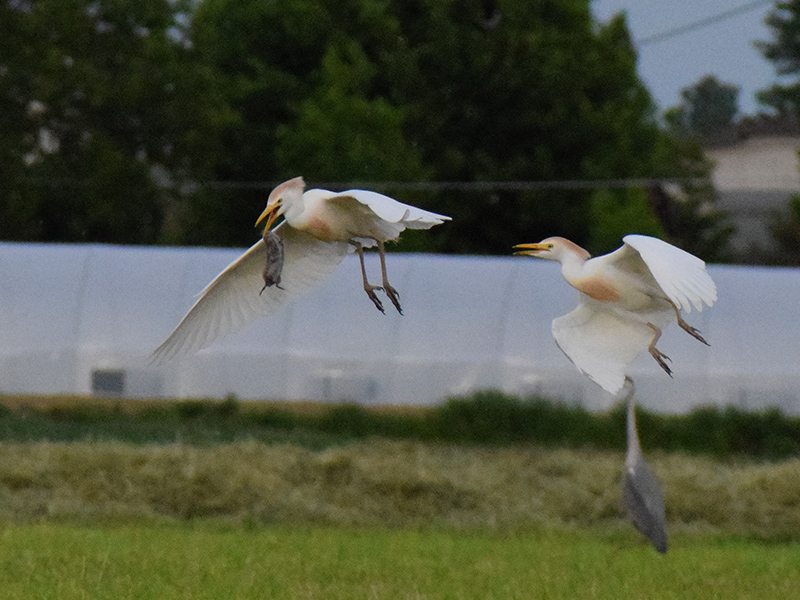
pixel 529 249
pixel 270 214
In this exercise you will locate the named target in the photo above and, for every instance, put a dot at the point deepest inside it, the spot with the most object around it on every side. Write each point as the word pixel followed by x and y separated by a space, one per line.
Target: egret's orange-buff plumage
pixel 627 298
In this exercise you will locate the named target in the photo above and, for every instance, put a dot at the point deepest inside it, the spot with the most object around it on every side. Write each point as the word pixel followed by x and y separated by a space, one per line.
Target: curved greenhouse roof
pixel 82 319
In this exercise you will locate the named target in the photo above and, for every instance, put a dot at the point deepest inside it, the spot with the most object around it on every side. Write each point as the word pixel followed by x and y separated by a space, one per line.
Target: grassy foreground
pixel 209 561
pixel 485 499
pixel 380 482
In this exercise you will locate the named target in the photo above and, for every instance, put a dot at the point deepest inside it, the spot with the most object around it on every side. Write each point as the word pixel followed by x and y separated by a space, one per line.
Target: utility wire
pixel 701 23
pixel 461 186
pixel 475 186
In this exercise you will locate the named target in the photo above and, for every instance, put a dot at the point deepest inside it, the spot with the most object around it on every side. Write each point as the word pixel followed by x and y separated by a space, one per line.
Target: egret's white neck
pixel 294 206
pixel 572 265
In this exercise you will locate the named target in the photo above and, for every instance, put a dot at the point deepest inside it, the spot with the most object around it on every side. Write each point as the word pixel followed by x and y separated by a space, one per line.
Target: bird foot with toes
pixel 692 331
pixel 370 289
pixel 661 359
pixel 394 296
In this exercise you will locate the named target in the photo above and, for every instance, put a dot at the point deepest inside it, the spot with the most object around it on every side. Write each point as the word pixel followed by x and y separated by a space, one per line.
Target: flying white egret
pixel 320 227
pixel 626 298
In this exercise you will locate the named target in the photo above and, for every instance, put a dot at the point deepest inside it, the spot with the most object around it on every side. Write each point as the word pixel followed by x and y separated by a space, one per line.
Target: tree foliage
pixel 169 120
pixel 783 51
pixel 107 115
pixel 786 230
pixel 784 100
pixel 340 133
pixel 708 109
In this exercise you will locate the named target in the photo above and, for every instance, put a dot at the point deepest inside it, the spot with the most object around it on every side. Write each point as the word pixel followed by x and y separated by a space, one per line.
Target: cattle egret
pixel 626 298
pixel 359 217
pixel 320 227
pixel 641 492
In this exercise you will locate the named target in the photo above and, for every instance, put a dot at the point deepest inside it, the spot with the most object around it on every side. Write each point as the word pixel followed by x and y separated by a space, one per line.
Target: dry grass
pixel 384 482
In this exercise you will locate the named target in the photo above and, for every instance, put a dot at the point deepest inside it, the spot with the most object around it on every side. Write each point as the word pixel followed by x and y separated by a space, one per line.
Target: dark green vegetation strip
pixel 489 418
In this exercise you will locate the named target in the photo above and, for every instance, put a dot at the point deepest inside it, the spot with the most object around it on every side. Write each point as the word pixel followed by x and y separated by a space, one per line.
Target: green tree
pixel 687 210
pixel 280 62
pixel 340 134
pixel 786 230
pixel 18 59
pixel 548 95
pixel 616 213
pixel 113 119
pixel 708 109
pixel 784 100
pixel 170 120
pixel 784 52
pixel 412 89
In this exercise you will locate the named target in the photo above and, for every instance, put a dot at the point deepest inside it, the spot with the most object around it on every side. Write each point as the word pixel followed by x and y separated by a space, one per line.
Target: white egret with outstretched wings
pixel 626 298
pixel 319 229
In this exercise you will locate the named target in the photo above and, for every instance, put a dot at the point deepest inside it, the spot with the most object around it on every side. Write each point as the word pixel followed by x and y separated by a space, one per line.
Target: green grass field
pixel 486 498
pixel 206 560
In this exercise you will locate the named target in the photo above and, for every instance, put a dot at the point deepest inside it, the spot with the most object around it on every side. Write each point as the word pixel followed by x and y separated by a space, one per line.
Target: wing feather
pixel 681 275
pixel 601 342
pixel 393 211
pixel 232 299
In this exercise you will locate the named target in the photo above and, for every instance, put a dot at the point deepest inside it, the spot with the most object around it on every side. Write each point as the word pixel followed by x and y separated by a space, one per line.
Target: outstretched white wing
pixel 681 275
pixel 601 342
pixel 393 211
pixel 232 299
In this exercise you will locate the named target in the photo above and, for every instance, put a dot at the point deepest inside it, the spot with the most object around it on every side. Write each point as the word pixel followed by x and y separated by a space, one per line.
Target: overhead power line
pixel 701 23
pixel 478 186
pixel 470 186
pixel 460 186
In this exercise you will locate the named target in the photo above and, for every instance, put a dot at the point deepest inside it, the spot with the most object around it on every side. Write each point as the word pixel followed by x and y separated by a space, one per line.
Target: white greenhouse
pixel 83 319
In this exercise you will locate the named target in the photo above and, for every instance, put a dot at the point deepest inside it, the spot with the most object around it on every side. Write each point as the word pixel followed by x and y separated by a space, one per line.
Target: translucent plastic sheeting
pixel 82 319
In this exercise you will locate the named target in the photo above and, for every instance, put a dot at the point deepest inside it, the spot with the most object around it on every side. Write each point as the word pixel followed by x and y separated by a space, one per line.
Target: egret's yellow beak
pixel 529 249
pixel 270 214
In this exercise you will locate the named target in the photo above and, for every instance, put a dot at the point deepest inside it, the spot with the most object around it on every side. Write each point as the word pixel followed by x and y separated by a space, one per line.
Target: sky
pixel 723 48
